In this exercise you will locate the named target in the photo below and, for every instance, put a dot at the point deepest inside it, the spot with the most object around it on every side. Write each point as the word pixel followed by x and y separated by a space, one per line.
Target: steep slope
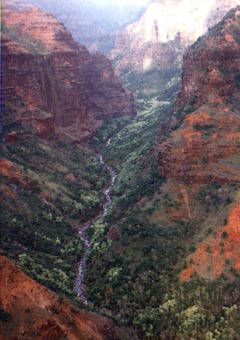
pixel 29 310
pixel 92 23
pixel 57 78
pixel 181 221
pixel 203 152
pixel 47 191
pixel 151 48
pixel 205 147
pixel 55 94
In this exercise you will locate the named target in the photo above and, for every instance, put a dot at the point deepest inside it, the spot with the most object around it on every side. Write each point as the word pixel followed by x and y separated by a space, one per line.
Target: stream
pixel 79 286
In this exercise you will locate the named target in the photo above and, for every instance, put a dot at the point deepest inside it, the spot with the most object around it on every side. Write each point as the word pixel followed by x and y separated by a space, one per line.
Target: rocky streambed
pixel 79 283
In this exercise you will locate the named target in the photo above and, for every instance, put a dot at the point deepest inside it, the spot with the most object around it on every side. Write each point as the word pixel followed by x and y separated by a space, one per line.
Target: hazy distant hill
pixel 90 23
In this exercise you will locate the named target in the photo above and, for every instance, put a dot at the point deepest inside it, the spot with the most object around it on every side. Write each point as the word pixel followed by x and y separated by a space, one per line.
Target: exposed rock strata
pixel 206 145
pixel 203 147
pixel 57 77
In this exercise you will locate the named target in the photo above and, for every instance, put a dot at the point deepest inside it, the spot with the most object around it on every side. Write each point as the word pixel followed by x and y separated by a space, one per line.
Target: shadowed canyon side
pixel 63 85
pixel 202 151
pixel 33 311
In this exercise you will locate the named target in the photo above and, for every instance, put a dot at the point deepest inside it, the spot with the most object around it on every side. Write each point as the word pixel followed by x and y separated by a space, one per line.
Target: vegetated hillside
pixel 51 183
pixel 47 189
pixel 181 220
pixel 43 174
pixel 148 53
pixel 92 23
pixel 58 79
pixel 31 311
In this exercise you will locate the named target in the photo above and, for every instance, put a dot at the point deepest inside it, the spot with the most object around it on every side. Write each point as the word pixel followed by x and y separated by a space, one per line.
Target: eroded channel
pixel 79 283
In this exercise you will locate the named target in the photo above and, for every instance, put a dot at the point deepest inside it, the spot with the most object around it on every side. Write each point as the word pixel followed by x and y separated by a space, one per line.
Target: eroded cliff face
pixel 206 144
pixel 59 80
pixel 36 312
pixel 202 152
pixel 164 30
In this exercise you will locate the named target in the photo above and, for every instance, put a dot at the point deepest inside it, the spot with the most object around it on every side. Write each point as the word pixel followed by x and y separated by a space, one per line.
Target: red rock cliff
pixel 36 312
pixel 56 77
pixel 203 147
pixel 205 142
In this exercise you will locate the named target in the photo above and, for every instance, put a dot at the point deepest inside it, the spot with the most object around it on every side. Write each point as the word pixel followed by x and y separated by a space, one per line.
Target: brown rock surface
pixel 219 253
pixel 205 144
pixel 203 147
pixel 58 79
pixel 37 313
pixel 211 67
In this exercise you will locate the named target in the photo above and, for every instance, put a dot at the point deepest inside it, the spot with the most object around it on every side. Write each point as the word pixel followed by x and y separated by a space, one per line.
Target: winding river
pixel 79 283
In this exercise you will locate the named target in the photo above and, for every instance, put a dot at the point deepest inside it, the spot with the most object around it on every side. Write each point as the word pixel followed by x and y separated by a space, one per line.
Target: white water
pixel 79 283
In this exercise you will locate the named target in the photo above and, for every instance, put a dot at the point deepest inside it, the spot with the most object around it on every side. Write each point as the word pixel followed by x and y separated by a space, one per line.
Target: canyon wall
pixel 164 30
pixel 59 80
pixel 206 144
pixel 202 151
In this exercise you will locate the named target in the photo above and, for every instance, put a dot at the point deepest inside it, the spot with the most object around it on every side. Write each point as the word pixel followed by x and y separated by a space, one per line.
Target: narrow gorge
pixel 79 283
pixel 120 205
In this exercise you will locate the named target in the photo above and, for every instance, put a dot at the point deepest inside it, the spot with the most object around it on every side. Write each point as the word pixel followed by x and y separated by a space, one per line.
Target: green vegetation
pixel 154 83
pixel 137 255
pixel 52 188
pixel 139 248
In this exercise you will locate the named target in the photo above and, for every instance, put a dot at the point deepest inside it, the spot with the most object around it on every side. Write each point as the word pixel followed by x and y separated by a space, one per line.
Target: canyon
pixel 91 23
pixel 55 95
pixel 162 254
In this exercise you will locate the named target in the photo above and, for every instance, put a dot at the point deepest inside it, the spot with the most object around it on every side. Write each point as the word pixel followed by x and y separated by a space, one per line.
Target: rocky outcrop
pixel 164 30
pixel 211 67
pixel 59 80
pixel 205 142
pixel 203 147
pixel 29 310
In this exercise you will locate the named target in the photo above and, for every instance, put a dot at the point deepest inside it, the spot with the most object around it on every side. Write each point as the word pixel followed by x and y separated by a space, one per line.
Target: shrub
pixel 4 315
pixel 224 235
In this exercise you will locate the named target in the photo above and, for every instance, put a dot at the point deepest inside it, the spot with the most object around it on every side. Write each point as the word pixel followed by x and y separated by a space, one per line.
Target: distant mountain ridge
pixel 150 50
pixel 92 23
